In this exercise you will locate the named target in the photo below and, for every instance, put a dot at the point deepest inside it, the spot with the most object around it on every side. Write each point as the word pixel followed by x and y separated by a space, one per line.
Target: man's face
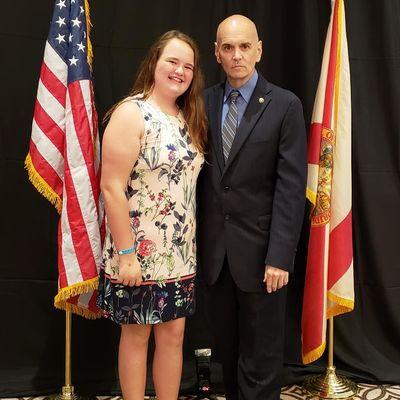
pixel 238 50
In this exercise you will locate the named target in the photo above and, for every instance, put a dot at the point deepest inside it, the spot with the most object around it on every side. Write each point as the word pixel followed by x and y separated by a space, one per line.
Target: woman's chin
pixel 176 90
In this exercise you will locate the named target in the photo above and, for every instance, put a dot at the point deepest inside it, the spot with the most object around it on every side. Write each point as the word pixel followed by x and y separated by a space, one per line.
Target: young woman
pixel 152 154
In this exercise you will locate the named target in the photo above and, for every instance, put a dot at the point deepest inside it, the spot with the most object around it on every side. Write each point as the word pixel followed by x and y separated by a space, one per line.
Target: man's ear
pixel 259 50
pixel 216 52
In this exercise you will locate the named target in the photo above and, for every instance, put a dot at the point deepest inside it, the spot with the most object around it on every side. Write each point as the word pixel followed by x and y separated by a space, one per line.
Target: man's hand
pixel 275 278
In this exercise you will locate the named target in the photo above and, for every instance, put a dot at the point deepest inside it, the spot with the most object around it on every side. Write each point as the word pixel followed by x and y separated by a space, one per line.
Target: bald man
pixel 251 200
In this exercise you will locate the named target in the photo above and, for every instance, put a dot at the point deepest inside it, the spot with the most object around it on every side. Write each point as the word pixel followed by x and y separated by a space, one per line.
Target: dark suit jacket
pixel 251 207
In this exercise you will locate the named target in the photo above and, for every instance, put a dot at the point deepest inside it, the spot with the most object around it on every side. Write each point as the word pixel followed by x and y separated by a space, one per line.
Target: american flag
pixel 64 155
pixel 329 286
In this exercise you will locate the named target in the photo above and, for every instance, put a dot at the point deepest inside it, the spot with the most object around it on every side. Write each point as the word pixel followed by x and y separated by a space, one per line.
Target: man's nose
pixel 237 55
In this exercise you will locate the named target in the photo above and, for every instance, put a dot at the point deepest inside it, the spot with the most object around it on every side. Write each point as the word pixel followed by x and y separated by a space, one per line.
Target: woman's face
pixel 174 69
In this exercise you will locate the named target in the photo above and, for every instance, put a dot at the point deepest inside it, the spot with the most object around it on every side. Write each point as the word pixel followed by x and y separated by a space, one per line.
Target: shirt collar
pixel 245 91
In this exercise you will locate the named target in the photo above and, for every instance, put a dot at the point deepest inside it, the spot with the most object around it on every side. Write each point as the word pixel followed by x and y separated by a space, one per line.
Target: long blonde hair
pixel 191 102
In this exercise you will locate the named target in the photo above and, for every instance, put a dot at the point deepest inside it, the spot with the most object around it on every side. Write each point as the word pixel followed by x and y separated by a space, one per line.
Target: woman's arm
pixel 121 145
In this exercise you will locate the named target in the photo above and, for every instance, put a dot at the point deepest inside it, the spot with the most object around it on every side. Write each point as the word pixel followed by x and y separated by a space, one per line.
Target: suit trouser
pixel 248 331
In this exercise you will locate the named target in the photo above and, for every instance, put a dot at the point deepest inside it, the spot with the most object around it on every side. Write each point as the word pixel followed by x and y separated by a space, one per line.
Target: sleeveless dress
pixel 161 191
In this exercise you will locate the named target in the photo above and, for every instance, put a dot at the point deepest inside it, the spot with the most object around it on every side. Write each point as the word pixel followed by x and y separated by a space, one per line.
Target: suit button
pixel 226 188
pixel 227 217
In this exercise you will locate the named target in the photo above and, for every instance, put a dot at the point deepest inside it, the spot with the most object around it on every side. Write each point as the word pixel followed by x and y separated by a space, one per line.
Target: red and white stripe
pixel 329 287
pixel 64 162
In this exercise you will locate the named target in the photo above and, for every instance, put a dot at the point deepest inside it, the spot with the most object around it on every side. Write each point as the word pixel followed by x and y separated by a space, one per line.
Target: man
pixel 251 199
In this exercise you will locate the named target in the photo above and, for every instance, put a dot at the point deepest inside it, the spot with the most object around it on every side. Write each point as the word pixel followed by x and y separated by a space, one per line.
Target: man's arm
pixel 289 198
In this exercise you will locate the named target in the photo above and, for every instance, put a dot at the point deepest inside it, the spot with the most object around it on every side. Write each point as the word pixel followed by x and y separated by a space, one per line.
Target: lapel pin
pixel 261 100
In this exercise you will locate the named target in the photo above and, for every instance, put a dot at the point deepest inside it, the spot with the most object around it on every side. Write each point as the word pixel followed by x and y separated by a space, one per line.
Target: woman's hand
pixel 130 273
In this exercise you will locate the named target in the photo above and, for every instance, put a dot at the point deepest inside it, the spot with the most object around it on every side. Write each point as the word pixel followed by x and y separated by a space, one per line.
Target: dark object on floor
pixel 203 363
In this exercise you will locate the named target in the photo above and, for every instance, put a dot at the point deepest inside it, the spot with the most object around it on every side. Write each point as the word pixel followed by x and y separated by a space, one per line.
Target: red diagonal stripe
pixel 314 143
pixel 73 300
pixel 45 170
pixel 314 294
pixel 340 250
pixel 49 127
pixel 83 132
pixel 330 81
pixel 79 235
pixel 53 84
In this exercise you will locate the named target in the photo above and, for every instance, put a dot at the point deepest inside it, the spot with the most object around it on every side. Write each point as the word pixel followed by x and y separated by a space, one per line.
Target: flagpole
pixel 329 385
pixel 330 354
pixel 68 390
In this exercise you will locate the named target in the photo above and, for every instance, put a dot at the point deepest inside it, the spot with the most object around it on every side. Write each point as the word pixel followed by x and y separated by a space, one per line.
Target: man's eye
pixel 172 61
pixel 227 48
pixel 189 67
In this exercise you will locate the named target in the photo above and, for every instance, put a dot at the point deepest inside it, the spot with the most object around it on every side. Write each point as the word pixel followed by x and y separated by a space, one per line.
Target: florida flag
pixel 329 286
pixel 64 154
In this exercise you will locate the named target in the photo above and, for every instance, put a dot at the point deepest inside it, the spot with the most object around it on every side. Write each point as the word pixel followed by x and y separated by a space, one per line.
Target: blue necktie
pixel 230 124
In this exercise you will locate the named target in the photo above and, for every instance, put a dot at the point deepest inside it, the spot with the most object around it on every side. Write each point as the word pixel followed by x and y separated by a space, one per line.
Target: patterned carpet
pixel 366 392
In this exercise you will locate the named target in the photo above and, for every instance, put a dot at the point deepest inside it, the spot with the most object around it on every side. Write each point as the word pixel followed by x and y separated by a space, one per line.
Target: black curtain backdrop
pixel 367 341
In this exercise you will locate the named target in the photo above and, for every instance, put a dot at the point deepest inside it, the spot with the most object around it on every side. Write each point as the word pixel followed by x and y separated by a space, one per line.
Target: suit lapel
pixel 215 123
pixel 253 112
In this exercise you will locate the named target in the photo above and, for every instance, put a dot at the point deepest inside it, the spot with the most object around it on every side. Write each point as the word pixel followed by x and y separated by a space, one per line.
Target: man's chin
pixel 238 76
pixel 239 72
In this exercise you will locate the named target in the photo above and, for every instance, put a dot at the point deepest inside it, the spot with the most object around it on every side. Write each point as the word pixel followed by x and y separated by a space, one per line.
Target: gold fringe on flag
pixel 88 29
pixel 314 354
pixel 61 300
pixel 342 305
pixel 41 185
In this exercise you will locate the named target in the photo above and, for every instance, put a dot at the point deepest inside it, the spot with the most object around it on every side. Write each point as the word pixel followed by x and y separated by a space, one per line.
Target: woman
pixel 151 157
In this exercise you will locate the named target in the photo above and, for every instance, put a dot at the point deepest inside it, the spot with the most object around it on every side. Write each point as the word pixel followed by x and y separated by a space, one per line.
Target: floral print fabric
pixel 161 191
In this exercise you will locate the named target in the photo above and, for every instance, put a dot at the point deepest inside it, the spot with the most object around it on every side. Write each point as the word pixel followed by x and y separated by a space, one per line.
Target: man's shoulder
pixel 210 91
pixel 278 92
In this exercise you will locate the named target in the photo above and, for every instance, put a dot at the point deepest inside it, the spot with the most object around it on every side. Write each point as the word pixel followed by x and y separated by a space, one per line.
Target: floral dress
pixel 161 191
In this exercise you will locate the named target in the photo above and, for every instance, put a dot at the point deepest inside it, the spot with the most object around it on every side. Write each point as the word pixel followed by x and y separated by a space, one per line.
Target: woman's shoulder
pixel 142 103
pixel 127 107
pixel 128 113
pixel 136 100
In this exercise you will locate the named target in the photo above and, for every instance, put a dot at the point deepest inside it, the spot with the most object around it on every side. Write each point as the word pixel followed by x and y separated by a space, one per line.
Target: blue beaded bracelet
pixel 127 251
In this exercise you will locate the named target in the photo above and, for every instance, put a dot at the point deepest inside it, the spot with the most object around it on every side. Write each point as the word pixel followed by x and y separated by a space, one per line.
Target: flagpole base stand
pixel 68 393
pixel 330 386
